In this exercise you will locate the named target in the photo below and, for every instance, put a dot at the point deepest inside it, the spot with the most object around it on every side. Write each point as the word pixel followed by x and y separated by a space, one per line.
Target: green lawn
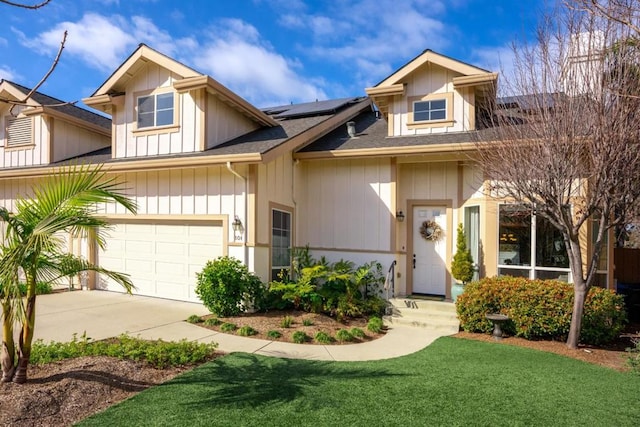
pixel 451 382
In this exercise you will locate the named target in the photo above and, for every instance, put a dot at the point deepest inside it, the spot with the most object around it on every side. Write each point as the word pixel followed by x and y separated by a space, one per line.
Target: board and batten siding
pixel 431 79
pixel 182 139
pixel 70 141
pixel 224 123
pixel 274 185
pixel 345 204
pixel 34 154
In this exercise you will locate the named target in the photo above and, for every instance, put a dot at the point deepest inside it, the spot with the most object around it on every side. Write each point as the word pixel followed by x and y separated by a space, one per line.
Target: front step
pixel 437 315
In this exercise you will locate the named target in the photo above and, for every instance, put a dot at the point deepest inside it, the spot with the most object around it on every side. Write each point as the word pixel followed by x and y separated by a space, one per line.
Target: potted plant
pixel 462 264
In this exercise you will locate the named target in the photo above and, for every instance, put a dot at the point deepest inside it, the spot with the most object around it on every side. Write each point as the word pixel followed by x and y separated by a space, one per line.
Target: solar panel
pixel 308 108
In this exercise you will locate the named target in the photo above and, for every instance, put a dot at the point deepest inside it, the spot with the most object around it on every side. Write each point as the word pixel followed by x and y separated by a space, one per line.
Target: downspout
pixel 245 248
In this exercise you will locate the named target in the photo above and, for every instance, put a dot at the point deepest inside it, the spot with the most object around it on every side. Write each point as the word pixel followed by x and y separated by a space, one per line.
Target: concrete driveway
pixel 103 314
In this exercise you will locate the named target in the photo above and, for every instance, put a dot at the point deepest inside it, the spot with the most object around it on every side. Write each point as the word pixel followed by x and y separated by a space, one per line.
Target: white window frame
pixel 156 110
pixel 430 110
pixel 274 267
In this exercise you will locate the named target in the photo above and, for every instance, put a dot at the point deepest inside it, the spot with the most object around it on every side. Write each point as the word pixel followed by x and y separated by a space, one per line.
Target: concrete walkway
pixel 107 314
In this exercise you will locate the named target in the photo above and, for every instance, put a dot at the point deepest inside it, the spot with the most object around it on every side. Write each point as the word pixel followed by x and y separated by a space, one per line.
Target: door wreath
pixel 431 231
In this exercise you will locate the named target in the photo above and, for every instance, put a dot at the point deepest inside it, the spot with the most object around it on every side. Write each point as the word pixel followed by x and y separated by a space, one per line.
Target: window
pixel 19 131
pixel 435 109
pixel 280 243
pixel 155 110
pixel 472 231
pixel 529 246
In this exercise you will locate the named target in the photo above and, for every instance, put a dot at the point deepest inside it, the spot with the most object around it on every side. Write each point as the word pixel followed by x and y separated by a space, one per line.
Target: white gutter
pixel 246 213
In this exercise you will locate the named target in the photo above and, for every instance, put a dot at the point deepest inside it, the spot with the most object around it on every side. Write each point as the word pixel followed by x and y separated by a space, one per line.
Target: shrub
pixel 299 337
pixel 42 288
pixel 633 359
pixel 307 322
pixel 247 331
pixel 160 354
pixel 462 263
pixel 375 325
pixel 212 321
pixel 273 335
pixel 194 318
pixel 286 322
pixel 323 338
pixel 540 309
pixel 228 327
pixel 227 288
pixel 343 335
pixel 357 333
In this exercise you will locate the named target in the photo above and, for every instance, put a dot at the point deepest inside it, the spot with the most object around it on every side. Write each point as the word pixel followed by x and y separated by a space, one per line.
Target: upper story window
pixel 435 109
pixel 155 110
pixel 19 131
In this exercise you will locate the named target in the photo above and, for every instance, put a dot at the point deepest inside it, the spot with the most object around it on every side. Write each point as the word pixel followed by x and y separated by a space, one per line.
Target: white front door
pixel 429 257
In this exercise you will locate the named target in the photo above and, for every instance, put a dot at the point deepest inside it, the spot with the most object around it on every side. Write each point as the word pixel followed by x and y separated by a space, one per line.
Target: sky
pixel 270 52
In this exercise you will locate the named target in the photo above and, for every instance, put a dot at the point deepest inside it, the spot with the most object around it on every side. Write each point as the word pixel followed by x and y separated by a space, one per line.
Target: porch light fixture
pixel 400 216
pixel 238 228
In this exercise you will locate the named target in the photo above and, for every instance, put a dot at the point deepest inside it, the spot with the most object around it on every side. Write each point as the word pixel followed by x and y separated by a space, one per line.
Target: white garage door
pixel 162 257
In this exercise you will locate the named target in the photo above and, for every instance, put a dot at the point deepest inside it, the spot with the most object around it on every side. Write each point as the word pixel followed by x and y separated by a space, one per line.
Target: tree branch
pixel 26 6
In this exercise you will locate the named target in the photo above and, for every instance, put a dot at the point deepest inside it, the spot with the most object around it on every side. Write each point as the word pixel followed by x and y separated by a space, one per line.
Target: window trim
pixel 288 210
pixel 154 129
pixel 446 122
pixel 23 145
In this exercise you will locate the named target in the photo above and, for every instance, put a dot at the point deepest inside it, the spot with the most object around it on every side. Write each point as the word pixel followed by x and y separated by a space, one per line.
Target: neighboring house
pixel 213 175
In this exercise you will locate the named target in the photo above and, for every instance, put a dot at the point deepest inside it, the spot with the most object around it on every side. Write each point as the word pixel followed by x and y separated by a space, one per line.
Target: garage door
pixel 162 258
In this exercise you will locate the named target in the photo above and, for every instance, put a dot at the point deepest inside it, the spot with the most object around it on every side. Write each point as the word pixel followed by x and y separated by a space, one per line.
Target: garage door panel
pixel 161 257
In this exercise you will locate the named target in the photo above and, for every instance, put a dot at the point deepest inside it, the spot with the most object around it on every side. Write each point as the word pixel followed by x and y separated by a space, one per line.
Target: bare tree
pixel 26 5
pixel 567 144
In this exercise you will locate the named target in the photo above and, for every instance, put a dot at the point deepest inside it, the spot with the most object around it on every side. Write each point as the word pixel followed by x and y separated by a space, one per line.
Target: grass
pixel 451 382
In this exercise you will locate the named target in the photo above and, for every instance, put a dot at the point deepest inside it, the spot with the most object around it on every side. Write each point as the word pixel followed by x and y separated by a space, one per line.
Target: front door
pixel 429 255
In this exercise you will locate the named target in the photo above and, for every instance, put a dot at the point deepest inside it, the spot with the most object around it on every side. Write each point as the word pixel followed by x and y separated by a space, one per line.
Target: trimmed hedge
pixel 540 309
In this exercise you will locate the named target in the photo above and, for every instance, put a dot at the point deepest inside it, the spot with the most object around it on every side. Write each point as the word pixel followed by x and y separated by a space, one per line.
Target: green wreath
pixel 431 231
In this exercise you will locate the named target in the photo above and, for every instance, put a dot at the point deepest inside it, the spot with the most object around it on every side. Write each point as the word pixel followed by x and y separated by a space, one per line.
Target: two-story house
pixel 354 178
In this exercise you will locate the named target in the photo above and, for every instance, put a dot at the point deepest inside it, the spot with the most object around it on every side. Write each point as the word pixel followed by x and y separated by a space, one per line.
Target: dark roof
pixel 309 108
pixel 530 102
pixel 63 107
pixel 371 132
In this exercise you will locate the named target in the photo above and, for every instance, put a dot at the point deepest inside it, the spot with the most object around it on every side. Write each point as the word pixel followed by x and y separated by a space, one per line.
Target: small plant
pixel 462 263
pixel 286 322
pixel 247 331
pixel 375 325
pixel 323 338
pixel 344 336
pixel 212 321
pixel 228 327
pixel 357 333
pixel 307 322
pixel 633 359
pixel 273 335
pixel 227 288
pixel 299 337
pixel 194 318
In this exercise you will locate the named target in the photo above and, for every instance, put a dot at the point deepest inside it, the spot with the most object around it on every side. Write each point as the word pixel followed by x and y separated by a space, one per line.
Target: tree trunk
pixel 580 294
pixel 8 355
pixel 26 336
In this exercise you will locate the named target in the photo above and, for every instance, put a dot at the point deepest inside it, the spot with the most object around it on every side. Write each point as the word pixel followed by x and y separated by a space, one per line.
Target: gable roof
pixel 429 56
pixel 42 103
pixel 188 79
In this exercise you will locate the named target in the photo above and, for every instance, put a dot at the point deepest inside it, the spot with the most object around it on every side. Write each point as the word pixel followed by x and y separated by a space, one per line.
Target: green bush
pixel 42 288
pixel 375 325
pixel 228 327
pixel 273 335
pixel 286 322
pixel 194 318
pixel 539 309
pixel 357 333
pixel 307 322
pixel 212 321
pixel 633 359
pixel 227 288
pixel 299 337
pixel 160 354
pixel 462 263
pixel 343 335
pixel 323 338
pixel 247 331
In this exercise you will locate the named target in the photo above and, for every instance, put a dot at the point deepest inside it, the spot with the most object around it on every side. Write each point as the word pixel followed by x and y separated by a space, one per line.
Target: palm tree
pixel 34 250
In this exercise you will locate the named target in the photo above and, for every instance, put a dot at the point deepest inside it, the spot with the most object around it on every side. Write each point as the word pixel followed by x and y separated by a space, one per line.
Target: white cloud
pixel 498 59
pixel 7 73
pixel 236 56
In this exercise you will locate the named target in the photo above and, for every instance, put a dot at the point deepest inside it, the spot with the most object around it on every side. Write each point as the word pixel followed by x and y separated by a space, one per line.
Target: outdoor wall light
pixel 238 228
pixel 400 216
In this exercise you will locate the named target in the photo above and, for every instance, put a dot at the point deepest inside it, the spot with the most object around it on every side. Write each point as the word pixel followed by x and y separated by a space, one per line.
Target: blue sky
pixel 268 51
